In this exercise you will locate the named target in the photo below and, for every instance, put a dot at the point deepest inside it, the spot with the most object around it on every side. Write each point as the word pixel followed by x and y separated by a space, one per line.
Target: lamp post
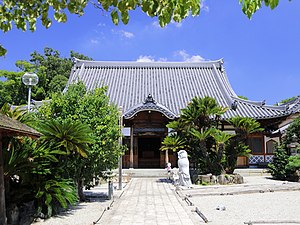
pixel 120 142
pixel 29 79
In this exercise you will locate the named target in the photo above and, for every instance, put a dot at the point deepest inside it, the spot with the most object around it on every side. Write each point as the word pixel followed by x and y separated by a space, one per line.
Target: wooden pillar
pixel 131 148
pixel 3 220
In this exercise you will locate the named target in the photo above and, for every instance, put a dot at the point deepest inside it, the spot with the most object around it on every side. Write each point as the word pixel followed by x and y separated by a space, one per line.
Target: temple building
pixel 150 94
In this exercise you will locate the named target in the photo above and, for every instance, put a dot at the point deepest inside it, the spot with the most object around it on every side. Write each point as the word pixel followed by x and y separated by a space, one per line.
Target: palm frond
pixel 72 136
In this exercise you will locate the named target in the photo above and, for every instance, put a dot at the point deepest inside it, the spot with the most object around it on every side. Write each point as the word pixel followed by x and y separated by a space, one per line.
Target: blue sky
pixel 261 55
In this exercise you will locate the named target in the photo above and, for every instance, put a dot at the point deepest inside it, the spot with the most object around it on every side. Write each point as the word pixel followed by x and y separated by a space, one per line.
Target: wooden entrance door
pixel 148 152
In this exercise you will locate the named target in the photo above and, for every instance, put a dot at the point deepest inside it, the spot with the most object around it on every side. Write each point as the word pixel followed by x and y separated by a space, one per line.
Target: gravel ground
pixel 83 214
pixel 278 205
pixel 267 200
pixel 271 206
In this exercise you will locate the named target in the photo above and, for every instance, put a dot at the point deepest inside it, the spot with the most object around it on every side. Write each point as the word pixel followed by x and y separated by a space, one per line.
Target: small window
pixel 271 146
pixel 256 145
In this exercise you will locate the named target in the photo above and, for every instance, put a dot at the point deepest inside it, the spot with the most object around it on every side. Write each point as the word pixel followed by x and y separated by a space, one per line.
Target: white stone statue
pixel 184 169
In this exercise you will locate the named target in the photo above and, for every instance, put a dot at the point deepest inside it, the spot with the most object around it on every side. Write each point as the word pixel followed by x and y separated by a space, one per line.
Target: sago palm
pixel 71 136
pixel 221 138
pixel 245 125
pixel 172 143
pixel 202 111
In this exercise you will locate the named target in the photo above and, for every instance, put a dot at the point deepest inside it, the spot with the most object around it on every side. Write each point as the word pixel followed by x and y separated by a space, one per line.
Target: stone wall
pixel 221 179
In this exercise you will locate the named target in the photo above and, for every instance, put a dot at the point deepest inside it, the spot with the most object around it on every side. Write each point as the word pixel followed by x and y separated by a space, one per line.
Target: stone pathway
pixel 149 201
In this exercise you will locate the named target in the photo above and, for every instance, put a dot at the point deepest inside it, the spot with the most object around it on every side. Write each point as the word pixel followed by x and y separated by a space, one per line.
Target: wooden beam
pixel 131 148
pixel 3 220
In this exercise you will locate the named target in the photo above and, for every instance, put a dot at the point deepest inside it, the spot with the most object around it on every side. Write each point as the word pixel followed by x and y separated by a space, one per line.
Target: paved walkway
pixel 149 201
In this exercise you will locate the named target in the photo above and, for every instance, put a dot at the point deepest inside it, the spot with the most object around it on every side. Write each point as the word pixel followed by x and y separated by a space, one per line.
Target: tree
pixel 238 145
pixel 68 136
pixel 172 143
pixel 292 131
pixel 91 108
pixel 71 139
pixel 12 90
pixel 284 101
pixel 243 97
pixel 52 69
pixel 285 166
pixel 278 166
pixel 31 173
pixel 221 139
pixel 196 125
pixel 25 14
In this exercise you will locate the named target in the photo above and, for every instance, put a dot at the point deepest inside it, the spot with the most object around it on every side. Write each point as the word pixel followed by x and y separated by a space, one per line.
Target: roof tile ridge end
pixel 260 103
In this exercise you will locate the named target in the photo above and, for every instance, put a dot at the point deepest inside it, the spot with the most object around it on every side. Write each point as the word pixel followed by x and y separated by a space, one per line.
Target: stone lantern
pixel 293 146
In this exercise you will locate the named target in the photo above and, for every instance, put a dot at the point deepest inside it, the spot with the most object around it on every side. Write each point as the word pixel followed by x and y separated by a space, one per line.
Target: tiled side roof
pixel 257 110
pixel 293 105
pixel 11 126
pixel 171 84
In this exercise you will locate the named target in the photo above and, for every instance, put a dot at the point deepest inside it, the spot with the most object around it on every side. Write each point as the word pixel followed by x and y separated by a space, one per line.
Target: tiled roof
pixel 293 105
pixel 171 84
pixel 9 126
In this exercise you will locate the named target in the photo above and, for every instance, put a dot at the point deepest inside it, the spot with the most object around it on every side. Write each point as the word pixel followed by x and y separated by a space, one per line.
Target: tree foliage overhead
pixel 25 14
pixel 249 7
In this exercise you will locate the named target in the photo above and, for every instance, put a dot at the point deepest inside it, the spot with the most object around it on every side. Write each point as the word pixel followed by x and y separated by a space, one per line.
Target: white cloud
pixel 127 34
pixel 172 23
pixel 204 6
pixel 156 24
pixel 182 54
pixel 187 57
pixel 101 25
pixel 94 41
pixel 178 25
pixel 162 60
pixel 149 58
pixel 122 33
pixel 195 58
pixel 145 58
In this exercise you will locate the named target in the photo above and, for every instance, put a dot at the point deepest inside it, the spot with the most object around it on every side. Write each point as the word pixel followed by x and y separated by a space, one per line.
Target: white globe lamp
pixel 30 79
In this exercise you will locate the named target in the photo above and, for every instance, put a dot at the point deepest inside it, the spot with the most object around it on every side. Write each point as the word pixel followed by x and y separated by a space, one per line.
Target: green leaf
pixel 48 199
pixel 115 17
pixel 39 194
pixel 3 51
pixel 273 4
pixel 60 17
pixel 125 17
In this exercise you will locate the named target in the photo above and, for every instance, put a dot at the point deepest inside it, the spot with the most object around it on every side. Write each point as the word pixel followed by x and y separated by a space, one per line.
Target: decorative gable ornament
pixel 149 99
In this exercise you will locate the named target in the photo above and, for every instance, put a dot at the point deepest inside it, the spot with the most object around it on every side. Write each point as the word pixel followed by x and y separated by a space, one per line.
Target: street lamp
pixel 29 79
pixel 120 142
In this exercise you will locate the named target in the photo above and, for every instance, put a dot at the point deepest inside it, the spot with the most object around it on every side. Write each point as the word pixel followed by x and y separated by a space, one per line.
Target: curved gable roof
pixel 171 84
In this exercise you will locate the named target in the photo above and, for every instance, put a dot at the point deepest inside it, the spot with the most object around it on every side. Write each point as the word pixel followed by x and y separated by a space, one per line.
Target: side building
pixel 152 94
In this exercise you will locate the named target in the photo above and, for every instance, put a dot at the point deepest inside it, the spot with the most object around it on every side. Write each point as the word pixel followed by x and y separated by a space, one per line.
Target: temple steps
pixel 162 173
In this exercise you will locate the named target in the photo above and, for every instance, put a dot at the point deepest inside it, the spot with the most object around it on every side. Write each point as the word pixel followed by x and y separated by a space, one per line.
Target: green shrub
pixel 278 167
pixel 54 194
pixel 293 163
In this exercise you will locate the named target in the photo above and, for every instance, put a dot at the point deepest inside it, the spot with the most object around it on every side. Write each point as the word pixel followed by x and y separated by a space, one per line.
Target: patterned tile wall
pixel 254 159
pixel 269 158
